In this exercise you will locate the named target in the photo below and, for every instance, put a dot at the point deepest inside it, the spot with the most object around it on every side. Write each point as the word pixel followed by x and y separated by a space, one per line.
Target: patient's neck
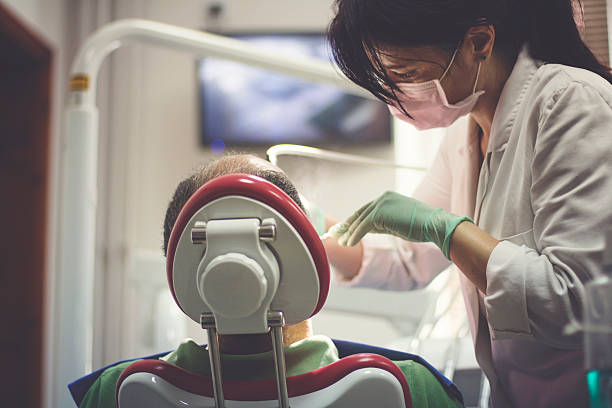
pixel 260 343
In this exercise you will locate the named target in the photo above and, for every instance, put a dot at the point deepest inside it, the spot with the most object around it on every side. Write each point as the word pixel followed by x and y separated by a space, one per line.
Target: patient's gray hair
pixel 229 164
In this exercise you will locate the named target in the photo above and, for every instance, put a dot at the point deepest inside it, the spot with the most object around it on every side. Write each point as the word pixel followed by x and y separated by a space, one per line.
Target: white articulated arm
pixel 199 44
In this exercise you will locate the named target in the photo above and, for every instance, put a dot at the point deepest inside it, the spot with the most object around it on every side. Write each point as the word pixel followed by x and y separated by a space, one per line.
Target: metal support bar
pixel 276 321
pixel 207 321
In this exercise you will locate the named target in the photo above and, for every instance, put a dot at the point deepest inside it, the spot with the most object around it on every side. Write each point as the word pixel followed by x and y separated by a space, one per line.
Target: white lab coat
pixel 545 190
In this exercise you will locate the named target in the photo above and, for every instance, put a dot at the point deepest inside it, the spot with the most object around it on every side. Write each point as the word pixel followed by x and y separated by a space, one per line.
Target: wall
pixel 596 28
pixel 48 19
pixel 64 24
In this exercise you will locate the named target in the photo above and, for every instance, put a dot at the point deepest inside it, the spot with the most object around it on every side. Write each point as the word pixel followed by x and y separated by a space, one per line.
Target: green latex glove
pixel 402 216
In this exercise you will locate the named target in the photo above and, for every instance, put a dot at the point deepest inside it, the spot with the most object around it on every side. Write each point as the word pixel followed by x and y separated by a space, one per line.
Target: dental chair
pixel 244 259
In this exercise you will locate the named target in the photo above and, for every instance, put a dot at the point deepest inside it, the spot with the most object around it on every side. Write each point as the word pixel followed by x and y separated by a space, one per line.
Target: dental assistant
pixel 518 199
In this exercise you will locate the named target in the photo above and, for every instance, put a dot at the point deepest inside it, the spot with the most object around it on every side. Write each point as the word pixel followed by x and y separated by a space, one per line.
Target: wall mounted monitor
pixel 241 105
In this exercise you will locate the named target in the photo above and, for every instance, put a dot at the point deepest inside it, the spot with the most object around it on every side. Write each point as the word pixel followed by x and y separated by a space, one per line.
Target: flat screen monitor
pixel 242 105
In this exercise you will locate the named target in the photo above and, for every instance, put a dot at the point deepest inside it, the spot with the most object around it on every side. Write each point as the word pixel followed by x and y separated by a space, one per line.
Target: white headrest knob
pixel 233 285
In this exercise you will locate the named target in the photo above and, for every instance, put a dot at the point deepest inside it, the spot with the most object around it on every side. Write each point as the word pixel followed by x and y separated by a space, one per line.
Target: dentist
pixel 518 199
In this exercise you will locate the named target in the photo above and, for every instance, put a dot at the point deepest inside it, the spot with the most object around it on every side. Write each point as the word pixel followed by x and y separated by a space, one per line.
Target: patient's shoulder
pixel 425 388
pixel 102 392
pixel 310 354
pixel 317 341
pixel 187 352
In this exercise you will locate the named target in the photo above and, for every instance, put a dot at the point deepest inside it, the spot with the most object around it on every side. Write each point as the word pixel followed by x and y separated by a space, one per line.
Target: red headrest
pixel 261 190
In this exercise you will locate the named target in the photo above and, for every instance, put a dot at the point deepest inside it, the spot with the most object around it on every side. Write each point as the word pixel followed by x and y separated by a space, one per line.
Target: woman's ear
pixel 480 40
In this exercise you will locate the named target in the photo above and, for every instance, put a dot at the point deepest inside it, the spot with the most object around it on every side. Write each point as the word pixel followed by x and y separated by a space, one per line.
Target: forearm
pixel 470 249
pixel 345 260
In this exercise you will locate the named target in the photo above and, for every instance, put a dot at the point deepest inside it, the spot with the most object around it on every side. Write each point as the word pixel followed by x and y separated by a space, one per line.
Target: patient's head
pixel 232 164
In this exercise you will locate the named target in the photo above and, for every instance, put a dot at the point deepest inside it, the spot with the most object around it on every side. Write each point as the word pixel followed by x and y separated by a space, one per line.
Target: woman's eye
pixel 410 74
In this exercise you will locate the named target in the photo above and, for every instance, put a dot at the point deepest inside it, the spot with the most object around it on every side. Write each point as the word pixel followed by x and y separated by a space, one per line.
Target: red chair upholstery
pixel 200 387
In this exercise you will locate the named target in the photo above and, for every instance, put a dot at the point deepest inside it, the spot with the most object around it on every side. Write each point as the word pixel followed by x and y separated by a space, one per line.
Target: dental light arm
pixel 73 337
pixel 124 32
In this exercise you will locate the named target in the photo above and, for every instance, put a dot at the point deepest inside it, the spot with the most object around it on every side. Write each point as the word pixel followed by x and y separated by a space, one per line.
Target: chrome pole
pixel 207 321
pixel 276 321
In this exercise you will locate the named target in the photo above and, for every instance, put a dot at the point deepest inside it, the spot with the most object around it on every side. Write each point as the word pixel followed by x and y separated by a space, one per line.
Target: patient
pixel 249 357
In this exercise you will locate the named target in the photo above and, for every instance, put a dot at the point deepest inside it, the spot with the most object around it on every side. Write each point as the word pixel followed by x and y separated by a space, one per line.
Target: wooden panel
pixel 596 28
pixel 25 76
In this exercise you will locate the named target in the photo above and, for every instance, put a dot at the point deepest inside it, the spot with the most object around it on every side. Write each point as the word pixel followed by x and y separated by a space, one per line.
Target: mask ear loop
pixel 450 63
pixel 477 76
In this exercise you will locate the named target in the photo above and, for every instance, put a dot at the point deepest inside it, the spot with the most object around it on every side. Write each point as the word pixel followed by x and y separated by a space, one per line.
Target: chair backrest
pixel 360 380
pixel 294 263
pixel 241 251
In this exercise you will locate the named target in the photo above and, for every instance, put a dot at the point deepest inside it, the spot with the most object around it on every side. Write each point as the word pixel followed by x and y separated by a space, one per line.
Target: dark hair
pixel 547 26
pixel 230 164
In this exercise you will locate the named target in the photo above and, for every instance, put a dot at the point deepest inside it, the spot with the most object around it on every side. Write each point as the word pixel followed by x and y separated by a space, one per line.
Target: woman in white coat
pixel 519 200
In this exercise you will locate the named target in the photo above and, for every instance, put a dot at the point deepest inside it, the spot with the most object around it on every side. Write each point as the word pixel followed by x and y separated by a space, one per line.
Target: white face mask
pixel 427 104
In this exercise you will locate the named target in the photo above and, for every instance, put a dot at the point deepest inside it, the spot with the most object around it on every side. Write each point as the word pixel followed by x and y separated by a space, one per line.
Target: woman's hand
pixel 402 216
